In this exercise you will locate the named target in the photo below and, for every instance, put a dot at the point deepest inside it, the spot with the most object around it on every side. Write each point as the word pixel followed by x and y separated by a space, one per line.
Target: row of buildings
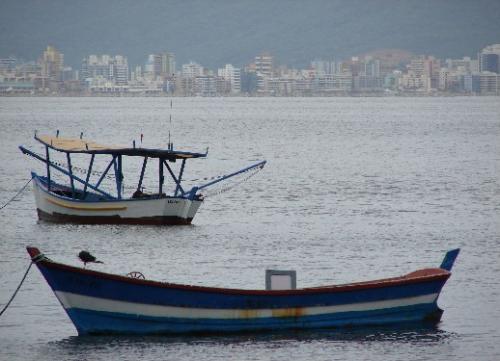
pixel 389 72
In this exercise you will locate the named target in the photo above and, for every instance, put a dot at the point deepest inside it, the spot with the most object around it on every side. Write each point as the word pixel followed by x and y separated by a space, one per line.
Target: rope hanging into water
pixel 18 193
pixel 17 289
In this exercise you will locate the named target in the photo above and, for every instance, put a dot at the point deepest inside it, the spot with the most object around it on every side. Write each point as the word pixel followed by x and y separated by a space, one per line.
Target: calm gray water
pixel 354 189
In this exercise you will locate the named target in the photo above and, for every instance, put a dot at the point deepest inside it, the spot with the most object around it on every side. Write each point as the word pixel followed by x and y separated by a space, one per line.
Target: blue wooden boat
pixel 85 200
pixel 101 303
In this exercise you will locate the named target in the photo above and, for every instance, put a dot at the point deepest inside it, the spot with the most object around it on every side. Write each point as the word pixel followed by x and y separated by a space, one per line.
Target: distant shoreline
pixel 354 95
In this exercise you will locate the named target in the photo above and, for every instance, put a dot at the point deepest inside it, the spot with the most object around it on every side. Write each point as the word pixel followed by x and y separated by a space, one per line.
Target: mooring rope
pixel 17 289
pixel 36 259
pixel 18 193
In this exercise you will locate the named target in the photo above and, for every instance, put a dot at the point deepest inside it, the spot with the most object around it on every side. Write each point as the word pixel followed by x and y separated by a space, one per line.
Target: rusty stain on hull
pixel 288 312
pixel 248 313
pixel 278 312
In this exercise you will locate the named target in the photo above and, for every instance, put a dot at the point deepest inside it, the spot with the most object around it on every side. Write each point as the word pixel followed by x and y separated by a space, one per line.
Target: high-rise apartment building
pixel 424 72
pixel 322 67
pixel 105 67
pixel 463 66
pixel 191 70
pixel 371 67
pixel 120 70
pixel 264 64
pixel 233 76
pixel 167 64
pixel 160 65
pixel 489 83
pixel 489 59
pixel 490 62
pixel 52 63
pixel 153 65
pixel 205 86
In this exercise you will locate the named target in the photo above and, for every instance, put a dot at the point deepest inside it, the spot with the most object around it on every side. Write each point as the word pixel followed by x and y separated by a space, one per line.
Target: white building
pixel 233 76
pixel 192 70
pixel 264 64
pixel 112 68
pixel 120 70
pixel 322 67
pixel 466 65
pixel 205 86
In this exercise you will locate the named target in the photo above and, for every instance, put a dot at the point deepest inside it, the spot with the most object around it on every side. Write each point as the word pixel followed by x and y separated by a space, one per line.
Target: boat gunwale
pixel 430 274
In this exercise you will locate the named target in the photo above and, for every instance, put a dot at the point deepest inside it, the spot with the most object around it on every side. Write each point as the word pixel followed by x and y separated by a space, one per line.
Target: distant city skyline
pixel 382 72
pixel 165 62
pixel 152 59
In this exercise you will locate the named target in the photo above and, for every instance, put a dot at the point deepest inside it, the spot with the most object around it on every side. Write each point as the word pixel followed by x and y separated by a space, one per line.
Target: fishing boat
pixel 87 201
pixel 102 303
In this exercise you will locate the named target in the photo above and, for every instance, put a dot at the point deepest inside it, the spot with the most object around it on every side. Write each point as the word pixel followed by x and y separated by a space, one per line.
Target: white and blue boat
pixel 85 200
pixel 102 303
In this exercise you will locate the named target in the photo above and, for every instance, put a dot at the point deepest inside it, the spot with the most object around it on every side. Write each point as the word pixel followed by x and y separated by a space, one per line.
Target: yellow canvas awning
pixel 74 144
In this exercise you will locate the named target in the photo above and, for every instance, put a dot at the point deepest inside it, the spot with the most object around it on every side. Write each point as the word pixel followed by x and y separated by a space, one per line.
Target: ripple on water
pixel 354 189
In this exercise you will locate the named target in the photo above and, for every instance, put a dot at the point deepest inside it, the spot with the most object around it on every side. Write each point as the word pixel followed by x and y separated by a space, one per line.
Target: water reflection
pixel 365 343
pixel 406 334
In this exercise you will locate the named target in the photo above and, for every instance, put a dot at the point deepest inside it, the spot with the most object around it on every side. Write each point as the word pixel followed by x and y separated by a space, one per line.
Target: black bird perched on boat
pixel 86 257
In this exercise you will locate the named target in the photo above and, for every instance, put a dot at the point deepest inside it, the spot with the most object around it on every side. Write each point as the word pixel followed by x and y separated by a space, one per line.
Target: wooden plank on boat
pixel 73 144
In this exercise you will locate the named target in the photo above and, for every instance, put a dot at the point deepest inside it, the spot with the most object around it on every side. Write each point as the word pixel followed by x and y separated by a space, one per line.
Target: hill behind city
pixel 217 32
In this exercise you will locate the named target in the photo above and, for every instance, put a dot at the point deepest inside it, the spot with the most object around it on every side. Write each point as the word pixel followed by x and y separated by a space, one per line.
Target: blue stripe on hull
pixel 96 322
pixel 90 285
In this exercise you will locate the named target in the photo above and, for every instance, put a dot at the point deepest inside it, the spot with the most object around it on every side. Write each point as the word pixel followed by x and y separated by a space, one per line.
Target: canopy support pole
pixel 161 178
pixel 88 175
pixel 118 176
pixel 173 177
pixel 181 172
pixel 142 173
pixel 71 175
pixel 105 172
pixel 48 166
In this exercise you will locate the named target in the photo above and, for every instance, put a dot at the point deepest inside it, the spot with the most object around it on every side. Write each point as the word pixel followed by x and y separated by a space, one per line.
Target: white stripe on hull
pixel 163 207
pixel 72 300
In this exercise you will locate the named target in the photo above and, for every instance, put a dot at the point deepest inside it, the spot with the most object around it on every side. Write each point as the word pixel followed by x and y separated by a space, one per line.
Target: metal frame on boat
pixel 91 204
pixel 100 303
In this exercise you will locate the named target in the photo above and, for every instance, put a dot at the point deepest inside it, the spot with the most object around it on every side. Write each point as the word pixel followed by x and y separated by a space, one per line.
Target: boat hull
pixel 100 303
pixel 153 211
pixel 88 320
